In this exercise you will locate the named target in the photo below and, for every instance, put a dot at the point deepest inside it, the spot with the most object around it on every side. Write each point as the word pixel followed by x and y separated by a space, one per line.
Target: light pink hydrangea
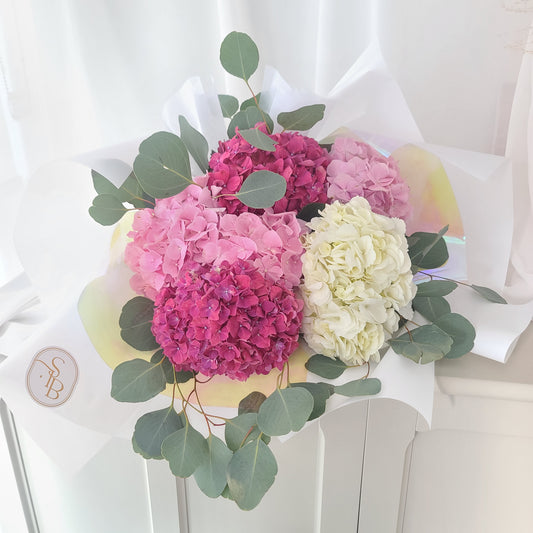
pixel 357 169
pixel 229 320
pixel 186 231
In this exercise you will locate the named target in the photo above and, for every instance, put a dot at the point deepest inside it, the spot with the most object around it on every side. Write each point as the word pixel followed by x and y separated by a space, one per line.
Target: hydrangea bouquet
pixel 280 241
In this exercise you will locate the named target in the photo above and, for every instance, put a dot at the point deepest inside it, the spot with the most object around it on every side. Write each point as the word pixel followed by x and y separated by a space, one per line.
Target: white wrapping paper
pixel 73 251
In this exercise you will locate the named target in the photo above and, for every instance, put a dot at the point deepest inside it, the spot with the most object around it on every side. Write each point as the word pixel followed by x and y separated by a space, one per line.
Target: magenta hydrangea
pixel 186 231
pixel 230 320
pixel 357 169
pixel 299 159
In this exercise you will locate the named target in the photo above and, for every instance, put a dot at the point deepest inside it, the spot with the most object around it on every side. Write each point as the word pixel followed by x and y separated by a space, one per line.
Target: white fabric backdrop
pixel 80 75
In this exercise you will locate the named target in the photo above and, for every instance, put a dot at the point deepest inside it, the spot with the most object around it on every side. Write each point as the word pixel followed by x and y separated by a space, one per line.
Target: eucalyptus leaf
pixel 320 393
pixel 195 143
pixel 427 250
pixel 258 139
pixel 239 55
pixel 460 330
pixel 431 307
pixel 310 211
pixel 137 381
pixel 229 105
pixel 435 288
pixel 250 474
pixel 107 209
pixel 251 102
pixel 132 192
pixel 325 367
pixel 251 403
pixel 242 429
pixel 182 376
pixel 423 345
pixel 285 410
pixel 302 119
pixel 359 387
pixel 262 189
pixel 152 429
pixel 168 368
pixel 162 166
pixel 135 446
pixel 102 185
pixel 210 475
pixel 185 450
pixel 136 322
pixel 489 294
pixel 226 493
pixel 247 119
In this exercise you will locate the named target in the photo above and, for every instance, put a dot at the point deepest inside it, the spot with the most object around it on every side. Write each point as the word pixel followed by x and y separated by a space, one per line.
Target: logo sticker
pixel 52 376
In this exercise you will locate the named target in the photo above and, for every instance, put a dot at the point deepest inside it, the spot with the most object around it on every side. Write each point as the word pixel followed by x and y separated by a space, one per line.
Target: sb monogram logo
pixel 52 376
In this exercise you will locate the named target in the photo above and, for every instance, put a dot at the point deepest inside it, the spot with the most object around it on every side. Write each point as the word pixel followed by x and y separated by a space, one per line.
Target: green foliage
pixel 152 429
pixel 102 185
pixel 489 294
pixel 320 393
pixel 359 387
pixel 460 330
pixel 431 307
pixel 195 143
pixel 250 473
pixel 325 367
pixel 136 322
pixel 242 429
pixel 166 365
pixel 310 211
pixel 211 473
pixel 251 403
pixel 162 166
pixel 185 450
pixel 435 288
pixel 302 119
pixel 427 250
pixel 247 119
pixel 285 410
pixel 259 139
pixel 108 206
pixel 107 209
pixel 251 102
pixel 423 344
pixel 131 191
pixel 228 104
pixel 239 55
pixel 137 381
pixel 262 189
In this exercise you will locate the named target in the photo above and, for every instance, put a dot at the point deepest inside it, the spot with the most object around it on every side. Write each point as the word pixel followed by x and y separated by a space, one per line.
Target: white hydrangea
pixel 357 274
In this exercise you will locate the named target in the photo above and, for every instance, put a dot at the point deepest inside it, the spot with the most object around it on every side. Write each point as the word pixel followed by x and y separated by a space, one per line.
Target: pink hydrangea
pixel 357 169
pixel 299 159
pixel 170 237
pixel 229 320
pixel 186 231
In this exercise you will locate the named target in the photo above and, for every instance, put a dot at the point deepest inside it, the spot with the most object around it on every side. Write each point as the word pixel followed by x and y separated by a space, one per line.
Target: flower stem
pixel 257 105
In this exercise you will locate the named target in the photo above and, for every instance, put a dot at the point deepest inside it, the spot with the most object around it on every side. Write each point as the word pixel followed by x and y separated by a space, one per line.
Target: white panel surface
pixel 462 482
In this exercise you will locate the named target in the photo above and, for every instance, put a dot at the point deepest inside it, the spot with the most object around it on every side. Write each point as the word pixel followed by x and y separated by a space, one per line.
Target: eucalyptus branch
pixel 257 105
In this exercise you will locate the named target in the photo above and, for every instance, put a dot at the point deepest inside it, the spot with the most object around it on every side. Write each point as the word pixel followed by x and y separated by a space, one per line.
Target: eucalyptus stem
pixel 257 105
pixel 431 276
pixel 139 197
pixel 184 402
pixel 246 436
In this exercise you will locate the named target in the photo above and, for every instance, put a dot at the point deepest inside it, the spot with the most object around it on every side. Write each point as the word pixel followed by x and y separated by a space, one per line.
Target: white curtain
pixel 80 75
